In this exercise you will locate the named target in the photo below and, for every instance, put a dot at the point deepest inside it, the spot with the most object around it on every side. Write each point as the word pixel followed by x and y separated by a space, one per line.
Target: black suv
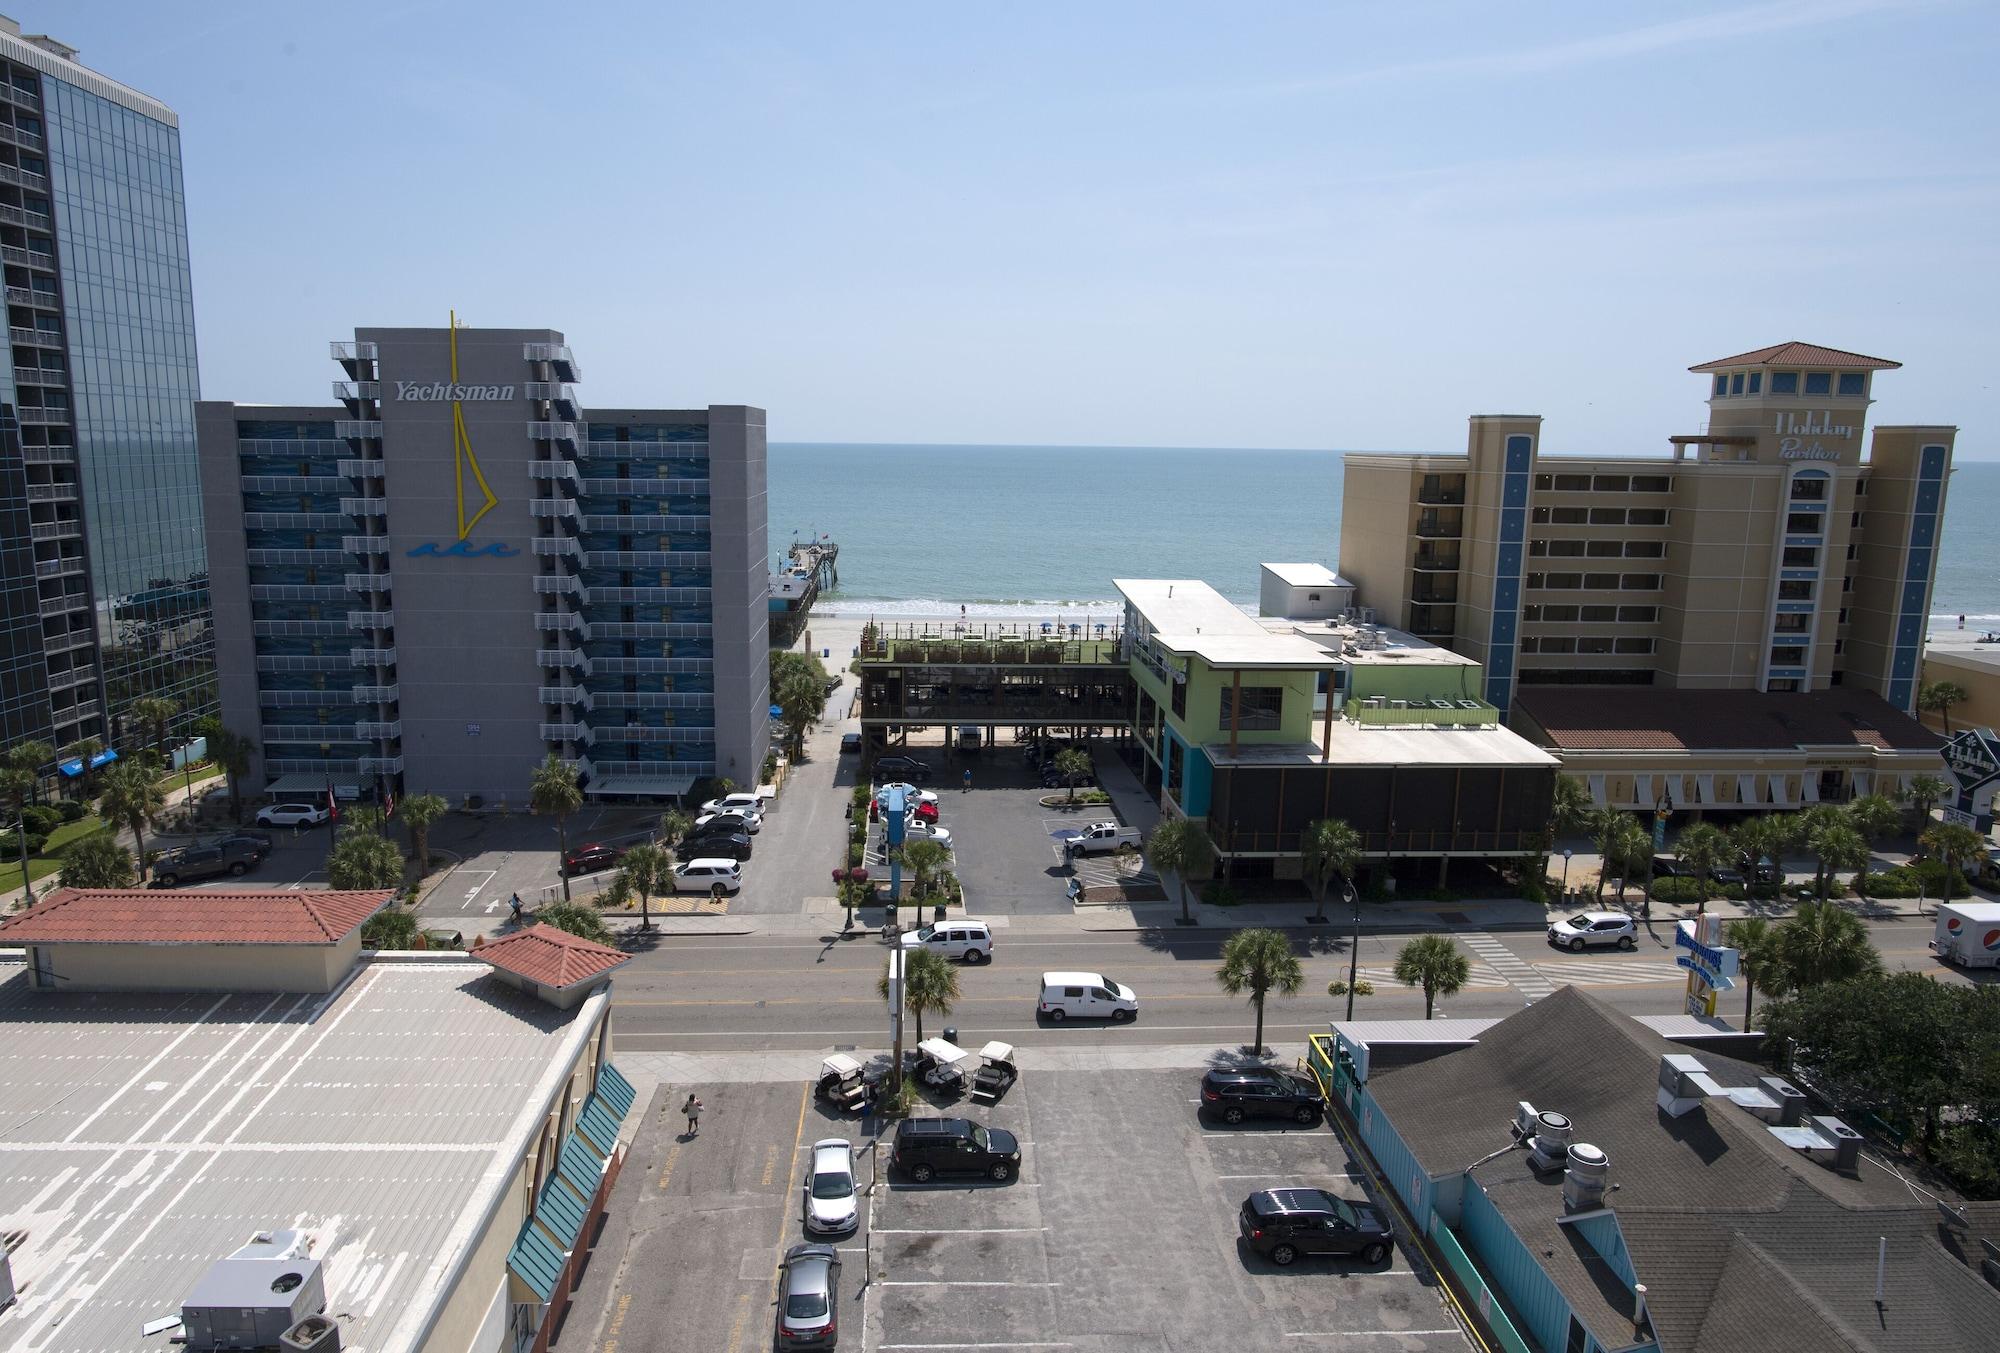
pixel 232 856
pixel 1261 1092
pixel 1282 1224
pixel 928 1147
pixel 902 767
pixel 709 845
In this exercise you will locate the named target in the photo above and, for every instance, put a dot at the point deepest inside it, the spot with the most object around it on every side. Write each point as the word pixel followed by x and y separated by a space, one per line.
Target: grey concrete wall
pixel 228 574
pixel 465 632
pixel 738 535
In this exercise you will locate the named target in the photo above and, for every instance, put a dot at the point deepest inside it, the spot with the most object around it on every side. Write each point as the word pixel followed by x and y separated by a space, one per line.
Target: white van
pixel 969 940
pixel 716 877
pixel 1086 995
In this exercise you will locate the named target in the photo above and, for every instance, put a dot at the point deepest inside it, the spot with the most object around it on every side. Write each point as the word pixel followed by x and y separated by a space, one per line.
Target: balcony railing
pixel 369 731
pixel 559 547
pixel 563 508
pixel 572 658
pixel 372 657
pixel 347 391
pixel 367 582
pixel 365 544
pixel 365 507
pixel 651 596
pixel 363 622
pixel 555 430
pixel 1436 561
pixel 40 376
pixel 298 521
pixel 356 467
pixel 352 352
pixel 640 523
pixel 61 529
pixel 565 732
pixel 559 585
pixel 1382 713
pixel 566 695
pixel 649 666
pixel 558 355
pixel 297 592
pixel 38 338
pixel 51 493
pixel 381 765
pixel 557 392
pixel 650 700
pixel 357 428
pixel 550 622
pixel 633 732
pixel 647 770
pixel 376 695
pixel 49 455
pixel 307 557
pixel 645 558
pixel 1432 526
pixel 554 469
pixel 292 483
pixel 65 604
pixel 57 568
pixel 303 662
pixel 297 629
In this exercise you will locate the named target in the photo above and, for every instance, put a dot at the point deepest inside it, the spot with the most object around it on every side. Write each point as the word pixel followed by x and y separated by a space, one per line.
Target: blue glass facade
pixel 101 347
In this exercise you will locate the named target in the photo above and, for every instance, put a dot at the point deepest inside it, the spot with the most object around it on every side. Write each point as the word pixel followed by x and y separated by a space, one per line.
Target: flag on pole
pixel 332 807
pixel 388 804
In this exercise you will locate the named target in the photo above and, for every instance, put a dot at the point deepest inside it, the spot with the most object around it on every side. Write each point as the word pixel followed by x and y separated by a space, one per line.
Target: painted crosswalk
pixel 1520 974
pixel 1484 976
pixel 1604 972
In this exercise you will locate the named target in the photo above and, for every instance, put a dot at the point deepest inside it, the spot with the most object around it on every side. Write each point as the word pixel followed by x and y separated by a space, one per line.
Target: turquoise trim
pixel 536 1261
pixel 615 1090
pixel 561 1212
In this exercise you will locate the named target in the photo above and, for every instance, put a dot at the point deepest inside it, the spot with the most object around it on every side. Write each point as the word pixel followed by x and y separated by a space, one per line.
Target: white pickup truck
pixel 1098 837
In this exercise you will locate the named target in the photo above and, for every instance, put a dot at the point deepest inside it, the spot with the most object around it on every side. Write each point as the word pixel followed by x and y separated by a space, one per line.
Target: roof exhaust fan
pixel 1546 1134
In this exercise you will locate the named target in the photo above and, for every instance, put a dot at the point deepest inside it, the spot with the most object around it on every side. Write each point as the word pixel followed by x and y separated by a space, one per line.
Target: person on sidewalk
pixel 968 780
pixel 693 1111
pixel 514 908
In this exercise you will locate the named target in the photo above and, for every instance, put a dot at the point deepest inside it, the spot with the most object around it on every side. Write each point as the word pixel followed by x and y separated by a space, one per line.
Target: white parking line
pixel 1356 1334
pixel 889 1346
pixel 956 1282
pixel 1285 1174
pixel 959 1231
pixel 472 893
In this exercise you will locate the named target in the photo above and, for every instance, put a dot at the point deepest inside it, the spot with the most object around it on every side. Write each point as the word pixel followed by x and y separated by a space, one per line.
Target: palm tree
pixel 1938 698
pixel 930 985
pixel 1605 826
pixel 1182 848
pixel 420 812
pixel 1327 848
pixel 577 918
pixel 1072 764
pixel 1822 943
pixel 156 712
pixel 1434 963
pixel 232 752
pixel 1808 826
pixel 1259 962
pixel 1757 839
pixel 390 928
pixel 96 861
pixel 1629 848
pixel 1703 848
pixel 1571 810
pixel 132 798
pixel 362 860
pixel 84 750
pixel 853 893
pixel 1951 842
pixel 802 698
pixel 362 818
pixel 1755 941
pixel 673 829
pixel 1836 847
pixel 646 869
pixel 554 792
pixel 1924 792
pixel 1873 816
pixel 925 859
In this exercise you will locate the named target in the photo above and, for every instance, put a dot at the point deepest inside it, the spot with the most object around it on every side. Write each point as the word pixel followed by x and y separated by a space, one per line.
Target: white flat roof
pixel 1354 745
pixel 144 1136
pixel 1400 649
pixel 1306 575
pixel 1190 617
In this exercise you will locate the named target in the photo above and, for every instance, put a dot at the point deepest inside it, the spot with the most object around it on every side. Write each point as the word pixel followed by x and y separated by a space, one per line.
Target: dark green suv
pixel 928 1147
pixel 234 856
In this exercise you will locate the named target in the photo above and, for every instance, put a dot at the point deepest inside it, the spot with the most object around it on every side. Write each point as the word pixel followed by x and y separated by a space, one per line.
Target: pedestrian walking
pixel 693 1111
pixel 514 908
pixel 968 781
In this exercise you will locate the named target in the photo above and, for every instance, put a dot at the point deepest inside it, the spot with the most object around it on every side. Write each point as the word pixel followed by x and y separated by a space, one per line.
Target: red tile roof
pixel 551 957
pixel 144 916
pixel 1578 718
pixel 1800 354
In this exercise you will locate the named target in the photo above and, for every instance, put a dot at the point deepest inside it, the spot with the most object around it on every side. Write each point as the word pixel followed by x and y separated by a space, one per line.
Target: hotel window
pixel 1566 549
pixel 1530 645
pixel 1784 382
pixel 1537 548
pixel 1819 382
pixel 1784 685
pixel 1263 708
pixel 1646 516
pixel 1564 614
pixel 1605 549
pixel 1565 582
pixel 1544 482
pixel 1803 523
pixel 1795 590
pixel 1736 384
pixel 1573 483
pixel 1801 556
pixel 1860 486
pixel 1788 655
pixel 1808 488
pixel 1570 516
pixel 1854 521
pixel 1555 643
pixel 1640 582
pixel 1843 616
pixel 1853 383
pixel 1612 483
pixel 1792 622
pixel 1594 643
pixel 1531 613
pixel 1607 516
pixel 1598 615
pixel 1645 549
pixel 1756 381
pixel 1651 483
pixel 1600 582
pixel 1633 646
pixel 1721 386
pixel 1638 615
pixel 1853 551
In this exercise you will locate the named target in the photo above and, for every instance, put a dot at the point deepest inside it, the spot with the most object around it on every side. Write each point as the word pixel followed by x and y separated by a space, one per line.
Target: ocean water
pixel 1034 531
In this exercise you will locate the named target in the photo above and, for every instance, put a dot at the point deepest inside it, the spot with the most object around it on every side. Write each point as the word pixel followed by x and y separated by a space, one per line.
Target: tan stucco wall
pixel 201 967
pixel 1981 679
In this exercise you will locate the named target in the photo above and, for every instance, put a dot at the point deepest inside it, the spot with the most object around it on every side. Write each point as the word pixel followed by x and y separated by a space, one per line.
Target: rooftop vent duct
pixel 1583 1181
pixel 1547 1136
pixel 252 1298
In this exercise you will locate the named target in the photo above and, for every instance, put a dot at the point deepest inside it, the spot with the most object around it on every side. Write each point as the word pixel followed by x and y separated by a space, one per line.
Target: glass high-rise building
pixel 101 376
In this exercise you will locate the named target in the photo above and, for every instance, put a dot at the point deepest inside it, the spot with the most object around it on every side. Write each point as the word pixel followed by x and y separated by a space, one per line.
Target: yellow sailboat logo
pixel 462 458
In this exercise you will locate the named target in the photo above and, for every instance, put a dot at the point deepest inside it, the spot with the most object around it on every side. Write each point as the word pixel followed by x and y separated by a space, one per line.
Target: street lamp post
pixel 1567 852
pixel 1354 945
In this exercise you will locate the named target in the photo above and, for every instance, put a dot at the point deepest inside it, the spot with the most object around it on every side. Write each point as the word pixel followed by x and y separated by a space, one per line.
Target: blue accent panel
pixel 1917 567
pixel 1396 1161
pixel 1513 1268
pixel 581 1165
pixel 1200 781
pixel 597 1124
pixel 1502 636
pixel 616 1092
pixel 536 1261
pixel 1608 1240
pixel 560 1211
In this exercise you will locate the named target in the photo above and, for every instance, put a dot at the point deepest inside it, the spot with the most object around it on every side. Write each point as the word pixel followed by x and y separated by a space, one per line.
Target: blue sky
pixel 1282 225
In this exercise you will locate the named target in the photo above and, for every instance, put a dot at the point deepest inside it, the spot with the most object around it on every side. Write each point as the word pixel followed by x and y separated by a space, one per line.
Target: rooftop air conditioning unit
pixel 1583 1181
pixel 1788 1099
pixel 253 1297
pixel 1840 1145
pixel 1547 1136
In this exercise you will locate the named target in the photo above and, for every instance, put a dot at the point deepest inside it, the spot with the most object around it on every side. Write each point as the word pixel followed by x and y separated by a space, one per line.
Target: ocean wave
pixel 1109 608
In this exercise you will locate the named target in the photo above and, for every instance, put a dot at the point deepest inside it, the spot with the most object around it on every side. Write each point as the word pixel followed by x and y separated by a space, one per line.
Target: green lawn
pixel 50 860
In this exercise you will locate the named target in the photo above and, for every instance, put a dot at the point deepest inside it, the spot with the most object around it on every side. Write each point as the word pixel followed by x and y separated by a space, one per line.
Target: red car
pixel 926 812
pixel 591 858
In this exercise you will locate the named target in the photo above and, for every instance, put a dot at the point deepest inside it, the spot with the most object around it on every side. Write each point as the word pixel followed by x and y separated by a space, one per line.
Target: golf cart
pixel 996 1072
pixel 842 1083
pixel 938 1062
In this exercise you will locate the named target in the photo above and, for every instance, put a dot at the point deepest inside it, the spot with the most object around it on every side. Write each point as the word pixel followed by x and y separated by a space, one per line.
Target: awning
pixel 288 785
pixel 1861 779
pixel 1704 789
pixel 1746 789
pixel 74 766
pixel 659 786
pixel 1642 791
pixel 1809 782
pixel 1596 783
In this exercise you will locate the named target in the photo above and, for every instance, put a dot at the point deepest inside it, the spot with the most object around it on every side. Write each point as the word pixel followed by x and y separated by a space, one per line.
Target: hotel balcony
pixel 342 351
pixel 65 528
pixel 565 732
pixel 628 524
pixel 563 622
pixel 633 732
pixel 47 300
pixel 299 521
pixel 648 629
pixel 379 731
pixel 35 338
pixel 49 416
pixel 355 429
pixel 58 568
pixel 556 355
pixel 304 662
pixel 296 699
pixel 381 765
pixel 365 507
pixel 653 700
pixel 566 695
pixel 365 544
pixel 646 559
pixel 559 547
pixel 293 483
pixel 363 622
pixel 349 392
pixel 376 695
pixel 651 596
pixel 1431 621
pixel 649 666
pixel 1428 593
pixel 559 658
pixel 561 508
pixel 310 734
pixel 367 582
pixel 40 375
pixel 297 592
pixel 558 393
pixel 63 643
pixel 297 629
pixel 559 585
pixel 51 493
pixel 75 676
pixel 556 430
pixel 1440 525
pixel 65 604
pixel 307 557
pixel 357 467
pixel 562 470
pixel 372 657
pixel 1430 559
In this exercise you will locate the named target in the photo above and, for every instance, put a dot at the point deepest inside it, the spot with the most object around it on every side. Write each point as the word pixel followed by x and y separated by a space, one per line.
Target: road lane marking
pixel 959 1231
pixel 1509 964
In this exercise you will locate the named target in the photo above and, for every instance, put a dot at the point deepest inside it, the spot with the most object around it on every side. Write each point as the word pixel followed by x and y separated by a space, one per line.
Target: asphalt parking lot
pixel 1007 858
pixel 1119 1233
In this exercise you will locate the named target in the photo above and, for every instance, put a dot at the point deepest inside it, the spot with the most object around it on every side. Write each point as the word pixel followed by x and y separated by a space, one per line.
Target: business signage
pixel 1713 965
pixel 1800 437
pixel 464 462
pixel 1973 758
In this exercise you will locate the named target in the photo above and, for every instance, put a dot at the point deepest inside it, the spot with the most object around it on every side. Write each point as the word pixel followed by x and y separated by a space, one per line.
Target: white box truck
pixel 1968 934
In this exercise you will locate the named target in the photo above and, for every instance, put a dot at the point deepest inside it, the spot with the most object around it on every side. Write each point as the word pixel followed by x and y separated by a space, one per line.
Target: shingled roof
pixel 1742 1242
pixel 1590 718
pixel 550 957
pixel 1800 354
pixel 142 916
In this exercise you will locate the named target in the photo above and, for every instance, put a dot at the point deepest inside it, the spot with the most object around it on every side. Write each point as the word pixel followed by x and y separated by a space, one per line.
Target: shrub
pixel 1932 872
pixel 1533 890
pixel 41 819
pixel 1677 892
pixel 1970 1154
pixel 853 854
pixel 71 811
pixel 1220 894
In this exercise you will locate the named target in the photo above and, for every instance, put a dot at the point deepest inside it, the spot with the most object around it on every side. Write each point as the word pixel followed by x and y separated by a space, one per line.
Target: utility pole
pixel 896 1013
pixel 1353 946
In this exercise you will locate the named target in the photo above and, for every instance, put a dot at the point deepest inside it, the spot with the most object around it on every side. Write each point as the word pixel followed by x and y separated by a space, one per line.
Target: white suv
pixel 969 940
pixel 1586 928
pixel 716 877
pixel 291 814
